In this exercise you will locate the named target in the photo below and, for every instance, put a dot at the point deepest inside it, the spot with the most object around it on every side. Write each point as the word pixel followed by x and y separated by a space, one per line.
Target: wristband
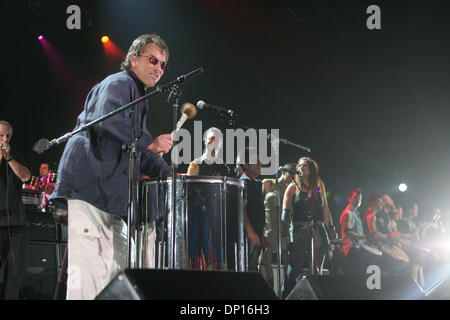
pixel 285 218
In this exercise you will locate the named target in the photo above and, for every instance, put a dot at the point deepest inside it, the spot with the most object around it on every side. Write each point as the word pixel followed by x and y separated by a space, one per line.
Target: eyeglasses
pixel 155 61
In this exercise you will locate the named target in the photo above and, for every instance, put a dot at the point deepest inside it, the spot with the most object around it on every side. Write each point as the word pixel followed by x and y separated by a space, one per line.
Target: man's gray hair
pixel 216 131
pixel 7 124
pixel 138 46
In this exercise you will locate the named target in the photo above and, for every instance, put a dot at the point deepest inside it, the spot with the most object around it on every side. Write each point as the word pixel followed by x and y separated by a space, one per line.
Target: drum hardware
pixel 30 197
pixel 52 177
pixel 235 256
pixel 43 225
pixel 161 254
pixel 33 181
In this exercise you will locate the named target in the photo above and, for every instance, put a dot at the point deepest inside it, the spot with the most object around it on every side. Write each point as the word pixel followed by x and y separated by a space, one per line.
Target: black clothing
pixel 13 253
pixel 14 184
pixel 405 226
pixel 255 204
pixel 383 222
pixel 256 215
pixel 214 169
pixel 13 239
pixel 305 208
pixel 206 168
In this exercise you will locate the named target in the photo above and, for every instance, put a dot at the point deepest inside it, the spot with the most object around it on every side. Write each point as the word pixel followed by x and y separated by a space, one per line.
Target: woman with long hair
pixel 306 207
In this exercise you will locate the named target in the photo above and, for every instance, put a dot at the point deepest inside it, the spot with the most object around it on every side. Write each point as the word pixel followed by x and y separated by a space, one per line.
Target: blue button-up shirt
pixel 93 167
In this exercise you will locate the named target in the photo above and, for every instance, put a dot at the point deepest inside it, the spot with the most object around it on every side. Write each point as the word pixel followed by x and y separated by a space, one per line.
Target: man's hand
pixel 162 143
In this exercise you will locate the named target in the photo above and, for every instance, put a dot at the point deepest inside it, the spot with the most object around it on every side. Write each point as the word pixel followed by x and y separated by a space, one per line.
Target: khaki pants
pixel 97 249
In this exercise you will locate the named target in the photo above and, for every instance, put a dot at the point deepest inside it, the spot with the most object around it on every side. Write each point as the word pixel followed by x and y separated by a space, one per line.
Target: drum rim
pixel 195 179
pixel 378 253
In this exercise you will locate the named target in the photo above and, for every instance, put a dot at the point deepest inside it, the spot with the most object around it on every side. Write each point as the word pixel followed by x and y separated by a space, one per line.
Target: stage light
pixel 402 187
pixel 41 37
pixel 105 39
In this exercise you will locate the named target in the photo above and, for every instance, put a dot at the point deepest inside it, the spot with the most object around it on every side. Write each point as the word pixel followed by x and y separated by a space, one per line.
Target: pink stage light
pixel 41 37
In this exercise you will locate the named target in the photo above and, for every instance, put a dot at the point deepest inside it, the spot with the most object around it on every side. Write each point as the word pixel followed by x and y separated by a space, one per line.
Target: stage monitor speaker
pixel 155 284
pixel 41 268
pixel 439 290
pixel 321 287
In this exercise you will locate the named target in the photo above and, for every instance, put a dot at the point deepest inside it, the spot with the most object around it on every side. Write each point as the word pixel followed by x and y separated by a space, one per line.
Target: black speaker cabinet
pixel 132 284
pixel 41 268
pixel 41 226
pixel 319 287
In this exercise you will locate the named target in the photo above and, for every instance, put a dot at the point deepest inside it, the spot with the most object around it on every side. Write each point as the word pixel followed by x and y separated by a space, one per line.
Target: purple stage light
pixel 41 37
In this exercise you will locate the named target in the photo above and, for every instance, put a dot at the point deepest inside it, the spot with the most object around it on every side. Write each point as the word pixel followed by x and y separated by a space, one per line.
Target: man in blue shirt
pixel 93 170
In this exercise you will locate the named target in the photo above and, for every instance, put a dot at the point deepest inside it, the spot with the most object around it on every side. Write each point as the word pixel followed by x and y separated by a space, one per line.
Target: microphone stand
pixel 230 118
pixel 277 190
pixel 133 195
pixel 133 158
pixel 176 93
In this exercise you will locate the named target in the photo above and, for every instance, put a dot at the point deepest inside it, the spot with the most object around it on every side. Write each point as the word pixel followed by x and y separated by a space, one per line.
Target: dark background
pixel 373 105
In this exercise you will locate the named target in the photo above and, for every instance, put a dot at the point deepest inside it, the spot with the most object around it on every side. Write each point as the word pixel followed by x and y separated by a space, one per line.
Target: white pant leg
pixel 97 249
pixel 150 236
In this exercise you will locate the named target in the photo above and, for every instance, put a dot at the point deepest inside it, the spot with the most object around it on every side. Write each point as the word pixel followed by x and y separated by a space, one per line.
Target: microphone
pixel 202 104
pixel 189 75
pixel 3 150
pixel 42 145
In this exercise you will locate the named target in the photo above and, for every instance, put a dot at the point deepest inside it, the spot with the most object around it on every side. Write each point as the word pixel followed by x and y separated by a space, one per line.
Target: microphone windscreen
pixel 200 104
pixel 41 145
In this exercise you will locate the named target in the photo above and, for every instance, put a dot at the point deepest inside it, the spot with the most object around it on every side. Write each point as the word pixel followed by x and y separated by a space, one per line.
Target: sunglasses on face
pixel 155 61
